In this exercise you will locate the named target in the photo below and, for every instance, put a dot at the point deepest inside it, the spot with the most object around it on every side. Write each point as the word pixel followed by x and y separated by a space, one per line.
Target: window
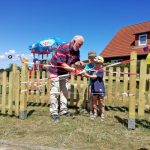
pixel 116 60
pixel 143 39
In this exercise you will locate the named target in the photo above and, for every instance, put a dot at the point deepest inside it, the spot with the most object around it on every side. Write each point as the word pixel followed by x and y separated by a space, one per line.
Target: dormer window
pixel 142 39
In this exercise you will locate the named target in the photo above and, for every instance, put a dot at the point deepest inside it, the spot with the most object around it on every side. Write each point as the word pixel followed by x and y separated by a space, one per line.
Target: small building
pixel 128 39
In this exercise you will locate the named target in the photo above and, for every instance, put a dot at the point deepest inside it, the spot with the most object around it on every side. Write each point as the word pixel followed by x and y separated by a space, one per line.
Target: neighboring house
pixel 128 39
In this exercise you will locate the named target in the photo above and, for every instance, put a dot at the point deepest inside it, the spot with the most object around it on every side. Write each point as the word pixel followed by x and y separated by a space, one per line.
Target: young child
pixel 90 65
pixel 97 88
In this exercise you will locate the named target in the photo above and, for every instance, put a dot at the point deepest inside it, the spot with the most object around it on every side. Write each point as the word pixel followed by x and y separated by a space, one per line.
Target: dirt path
pixel 10 147
pixel 5 145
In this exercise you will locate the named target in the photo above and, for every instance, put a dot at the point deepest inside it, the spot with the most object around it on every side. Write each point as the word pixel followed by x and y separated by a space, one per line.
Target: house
pixel 128 39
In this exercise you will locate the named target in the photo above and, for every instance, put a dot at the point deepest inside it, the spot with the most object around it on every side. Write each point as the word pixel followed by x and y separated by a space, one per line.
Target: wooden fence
pixel 17 89
pixel 39 90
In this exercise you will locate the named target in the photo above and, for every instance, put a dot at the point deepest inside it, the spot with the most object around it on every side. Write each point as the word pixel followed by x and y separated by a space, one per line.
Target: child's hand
pixel 93 76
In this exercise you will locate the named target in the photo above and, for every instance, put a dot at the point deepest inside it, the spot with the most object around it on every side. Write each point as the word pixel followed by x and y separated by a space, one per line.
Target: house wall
pixel 110 59
pixel 149 39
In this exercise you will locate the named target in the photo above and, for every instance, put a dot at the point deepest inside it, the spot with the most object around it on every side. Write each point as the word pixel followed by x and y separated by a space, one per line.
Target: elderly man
pixel 66 55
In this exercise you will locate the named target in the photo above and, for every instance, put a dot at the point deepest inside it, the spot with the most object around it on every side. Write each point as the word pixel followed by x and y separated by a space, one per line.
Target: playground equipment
pixel 43 49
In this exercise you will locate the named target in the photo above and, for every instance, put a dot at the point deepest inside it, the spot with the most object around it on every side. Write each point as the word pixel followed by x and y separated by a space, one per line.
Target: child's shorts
pixel 98 93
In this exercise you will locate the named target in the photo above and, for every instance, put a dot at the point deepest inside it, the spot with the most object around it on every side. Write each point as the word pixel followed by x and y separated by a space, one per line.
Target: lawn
pixel 76 133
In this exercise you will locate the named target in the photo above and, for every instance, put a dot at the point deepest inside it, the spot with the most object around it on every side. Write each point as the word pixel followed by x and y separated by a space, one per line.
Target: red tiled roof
pixel 120 45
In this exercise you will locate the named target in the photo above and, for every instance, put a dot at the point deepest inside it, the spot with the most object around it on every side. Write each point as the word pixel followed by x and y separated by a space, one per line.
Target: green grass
pixel 78 133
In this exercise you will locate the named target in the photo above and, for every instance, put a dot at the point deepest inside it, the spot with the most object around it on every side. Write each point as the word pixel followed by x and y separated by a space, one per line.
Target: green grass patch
pixel 78 133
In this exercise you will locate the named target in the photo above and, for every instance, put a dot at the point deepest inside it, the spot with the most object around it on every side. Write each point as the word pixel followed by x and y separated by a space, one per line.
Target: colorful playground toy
pixel 42 48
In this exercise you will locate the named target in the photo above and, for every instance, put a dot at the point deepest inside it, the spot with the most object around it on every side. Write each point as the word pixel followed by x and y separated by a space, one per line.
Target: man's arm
pixel 76 71
pixel 67 67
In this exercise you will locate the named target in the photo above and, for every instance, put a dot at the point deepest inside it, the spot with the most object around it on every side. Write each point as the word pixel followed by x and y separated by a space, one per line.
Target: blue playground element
pixel 42 48
pixel 47 45
pixel 35 59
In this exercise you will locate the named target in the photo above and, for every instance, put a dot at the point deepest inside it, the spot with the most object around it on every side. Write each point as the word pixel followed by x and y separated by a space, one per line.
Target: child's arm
pixel 89 76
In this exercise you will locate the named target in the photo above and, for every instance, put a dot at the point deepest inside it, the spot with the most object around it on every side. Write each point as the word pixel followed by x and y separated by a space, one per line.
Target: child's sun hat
pixel 99 59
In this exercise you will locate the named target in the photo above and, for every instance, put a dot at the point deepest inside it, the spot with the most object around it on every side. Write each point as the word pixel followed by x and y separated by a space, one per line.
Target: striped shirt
pixel 63 54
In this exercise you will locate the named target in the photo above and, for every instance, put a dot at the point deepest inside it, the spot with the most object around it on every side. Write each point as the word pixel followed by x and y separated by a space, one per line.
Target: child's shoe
pixel 91 116
pixel 95 115
pixel 102 117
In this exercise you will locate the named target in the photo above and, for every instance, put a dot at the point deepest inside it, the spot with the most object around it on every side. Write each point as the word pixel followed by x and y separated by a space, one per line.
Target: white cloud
pixel 2 56
pixel 14 56
pixel 8 53
pixel 11 57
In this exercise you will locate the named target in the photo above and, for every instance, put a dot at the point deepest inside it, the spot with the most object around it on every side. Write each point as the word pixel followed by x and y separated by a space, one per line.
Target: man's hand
pixel 78 72
pixel 80 64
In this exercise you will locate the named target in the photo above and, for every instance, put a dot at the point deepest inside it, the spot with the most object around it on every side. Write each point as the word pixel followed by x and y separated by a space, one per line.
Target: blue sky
pixel 23 22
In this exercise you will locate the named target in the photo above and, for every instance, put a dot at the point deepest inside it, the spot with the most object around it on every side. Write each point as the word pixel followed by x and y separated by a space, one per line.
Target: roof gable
pixel 123 42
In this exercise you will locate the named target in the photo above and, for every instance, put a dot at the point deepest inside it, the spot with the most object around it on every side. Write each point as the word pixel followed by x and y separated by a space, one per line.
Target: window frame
pixel 140 44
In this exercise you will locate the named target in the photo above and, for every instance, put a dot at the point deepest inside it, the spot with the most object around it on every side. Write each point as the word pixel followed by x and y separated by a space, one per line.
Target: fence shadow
pixel 123 121
pixel 37 104
pixel 139 122
pixel 30 112
pixel 116 108
pixel 6 115
pixel 143 123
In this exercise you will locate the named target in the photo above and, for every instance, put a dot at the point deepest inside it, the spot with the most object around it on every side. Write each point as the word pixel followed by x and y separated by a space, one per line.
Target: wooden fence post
pixel 83 86
pixel 15 89
pixel 132 94
pixel 23 95
pixel 75 92
pixel 78 91
pixel 37 87
pixel 125 88
pixel 45 89
pixel 72 91
pixel 11 93
pixel 32 95
pixel 4 83
pixel 142 85
pixel 117 86
pixel 109 93
pixel 17 92
pixel 14 71
pixel 48 86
